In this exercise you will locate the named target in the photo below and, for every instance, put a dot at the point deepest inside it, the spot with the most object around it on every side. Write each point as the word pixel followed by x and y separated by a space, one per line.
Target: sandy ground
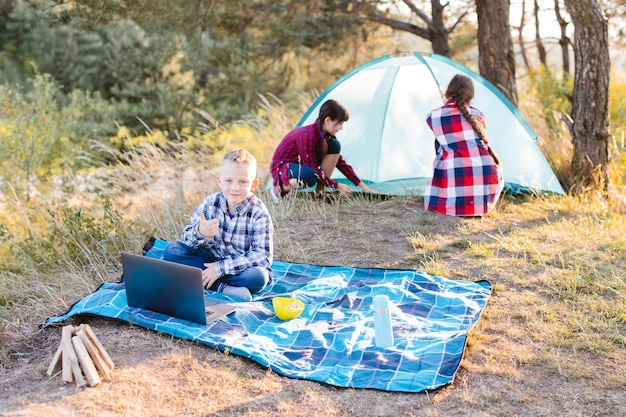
pixel 157 375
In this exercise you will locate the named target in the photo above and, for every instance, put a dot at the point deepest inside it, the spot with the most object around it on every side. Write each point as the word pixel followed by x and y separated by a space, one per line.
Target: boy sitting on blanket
pixel 230 236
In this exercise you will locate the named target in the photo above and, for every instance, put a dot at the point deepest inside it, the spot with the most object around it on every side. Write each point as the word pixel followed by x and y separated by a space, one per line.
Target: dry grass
pixel 551 340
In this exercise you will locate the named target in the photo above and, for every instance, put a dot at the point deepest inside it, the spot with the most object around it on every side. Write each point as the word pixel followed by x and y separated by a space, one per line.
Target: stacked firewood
pixel 81 357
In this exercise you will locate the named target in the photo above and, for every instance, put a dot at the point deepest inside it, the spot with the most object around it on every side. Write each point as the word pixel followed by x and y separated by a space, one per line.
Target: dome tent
pixel 389 144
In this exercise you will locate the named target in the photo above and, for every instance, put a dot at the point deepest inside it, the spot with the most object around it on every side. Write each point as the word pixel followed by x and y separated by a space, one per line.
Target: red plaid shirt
pixel 301 146
pixel 466 180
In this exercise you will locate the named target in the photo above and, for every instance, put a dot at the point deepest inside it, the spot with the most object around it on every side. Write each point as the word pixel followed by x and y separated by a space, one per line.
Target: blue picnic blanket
pixel 333 340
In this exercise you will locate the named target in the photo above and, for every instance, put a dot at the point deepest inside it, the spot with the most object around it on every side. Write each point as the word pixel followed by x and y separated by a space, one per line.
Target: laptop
pixel 169 288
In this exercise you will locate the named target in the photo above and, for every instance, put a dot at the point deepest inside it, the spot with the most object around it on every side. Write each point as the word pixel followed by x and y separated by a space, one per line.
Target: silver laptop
pixel 169 288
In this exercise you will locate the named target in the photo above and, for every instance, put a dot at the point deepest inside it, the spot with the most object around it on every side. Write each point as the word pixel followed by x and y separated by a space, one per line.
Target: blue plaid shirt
pixel 245 238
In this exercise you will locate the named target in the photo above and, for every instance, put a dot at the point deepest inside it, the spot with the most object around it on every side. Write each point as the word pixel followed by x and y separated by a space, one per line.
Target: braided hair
pixel 461 91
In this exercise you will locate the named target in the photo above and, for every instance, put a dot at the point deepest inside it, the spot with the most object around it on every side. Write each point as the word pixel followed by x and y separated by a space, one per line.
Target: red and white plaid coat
pixel 466 180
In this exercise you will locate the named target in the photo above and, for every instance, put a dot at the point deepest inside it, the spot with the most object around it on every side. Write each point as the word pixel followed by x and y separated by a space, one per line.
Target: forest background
pixel 104 104
pixel 80 79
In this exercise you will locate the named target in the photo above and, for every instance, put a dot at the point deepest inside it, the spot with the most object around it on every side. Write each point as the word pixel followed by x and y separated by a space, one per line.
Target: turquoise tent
pixel 388 142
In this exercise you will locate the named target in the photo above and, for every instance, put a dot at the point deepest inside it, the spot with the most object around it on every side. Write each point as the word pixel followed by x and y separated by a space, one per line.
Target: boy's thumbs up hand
pixel 208 227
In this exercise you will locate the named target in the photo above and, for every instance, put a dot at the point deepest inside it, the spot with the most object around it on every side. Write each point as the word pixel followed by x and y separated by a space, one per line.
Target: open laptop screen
pixel 165 287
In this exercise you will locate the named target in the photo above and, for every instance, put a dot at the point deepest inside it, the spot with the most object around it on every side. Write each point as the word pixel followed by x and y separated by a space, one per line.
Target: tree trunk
pixel 438 30
pixel 495 47
pixel 541 50
pixel 434 26
pixel 564 41
pixel 590 107
pixel 520 36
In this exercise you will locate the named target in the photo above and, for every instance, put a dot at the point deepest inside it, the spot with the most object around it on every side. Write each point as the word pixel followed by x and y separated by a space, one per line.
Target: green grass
pixel 556 264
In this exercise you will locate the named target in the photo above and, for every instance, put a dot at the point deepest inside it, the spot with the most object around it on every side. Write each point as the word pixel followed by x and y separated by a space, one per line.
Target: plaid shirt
pixel 466 180
pixel 301 146
pixel 245 238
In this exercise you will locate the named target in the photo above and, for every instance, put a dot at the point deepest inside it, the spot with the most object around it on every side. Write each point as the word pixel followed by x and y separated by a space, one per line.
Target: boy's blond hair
pixel 240 156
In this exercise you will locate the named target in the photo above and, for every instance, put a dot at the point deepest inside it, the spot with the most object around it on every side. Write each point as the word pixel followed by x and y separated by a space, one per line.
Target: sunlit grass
pixel 556 263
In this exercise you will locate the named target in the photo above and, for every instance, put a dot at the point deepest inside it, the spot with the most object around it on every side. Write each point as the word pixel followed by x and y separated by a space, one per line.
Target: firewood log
pixel 86 364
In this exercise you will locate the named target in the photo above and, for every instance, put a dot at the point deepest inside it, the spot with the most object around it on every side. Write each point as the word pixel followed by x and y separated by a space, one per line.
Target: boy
pixel 230 236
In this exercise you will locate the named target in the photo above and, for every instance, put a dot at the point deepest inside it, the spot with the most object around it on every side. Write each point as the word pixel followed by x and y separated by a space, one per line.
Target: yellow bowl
pixel 287 308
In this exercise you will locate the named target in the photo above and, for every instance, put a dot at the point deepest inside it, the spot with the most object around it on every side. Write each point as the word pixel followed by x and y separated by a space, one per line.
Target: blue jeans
pixel 307 176
pixel 254 278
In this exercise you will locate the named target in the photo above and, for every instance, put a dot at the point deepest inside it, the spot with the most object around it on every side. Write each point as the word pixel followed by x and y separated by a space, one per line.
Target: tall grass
pixel 60 246
pixel 557 263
